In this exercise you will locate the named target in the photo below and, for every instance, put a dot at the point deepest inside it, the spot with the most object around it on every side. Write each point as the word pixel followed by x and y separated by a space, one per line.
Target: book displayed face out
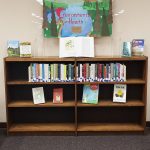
pixel 58 95
pixel 38 95
pixel 76 47
pixel 90 94
pixel 119 94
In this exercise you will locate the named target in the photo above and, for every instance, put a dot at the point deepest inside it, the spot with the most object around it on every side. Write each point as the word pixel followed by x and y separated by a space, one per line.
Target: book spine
pixel 43 73
pixel 29 73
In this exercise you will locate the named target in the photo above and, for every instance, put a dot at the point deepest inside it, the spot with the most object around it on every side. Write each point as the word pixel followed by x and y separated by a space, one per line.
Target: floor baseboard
pixel 4 125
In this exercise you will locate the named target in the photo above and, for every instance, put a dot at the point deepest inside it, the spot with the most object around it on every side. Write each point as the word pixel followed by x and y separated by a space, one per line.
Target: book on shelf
pixel 58 95
pixel 90 93
pixel 137 47
pixel 25 49
pixel 76 47
pixel 13 48
pixel 119 94
pixel 38 95
pixel 126 51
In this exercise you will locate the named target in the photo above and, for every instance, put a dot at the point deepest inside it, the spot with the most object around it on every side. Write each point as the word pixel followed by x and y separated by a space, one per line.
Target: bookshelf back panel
pixel 109 115
pixel 24 92
pixel 17 71
pixel 42 115
pixel 134 92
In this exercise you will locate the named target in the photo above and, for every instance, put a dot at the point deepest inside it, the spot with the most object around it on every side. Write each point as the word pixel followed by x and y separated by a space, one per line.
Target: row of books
pixel 84 72
pixel 50 72
pixel 90 94
pixel 101 72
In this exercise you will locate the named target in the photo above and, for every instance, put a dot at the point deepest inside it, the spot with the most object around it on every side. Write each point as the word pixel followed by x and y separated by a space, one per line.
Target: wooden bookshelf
pixel 72 115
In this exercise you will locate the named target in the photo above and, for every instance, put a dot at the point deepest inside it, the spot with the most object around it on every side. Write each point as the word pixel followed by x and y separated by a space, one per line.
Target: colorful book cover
pixel 58 95
pixel 119 94
pixel 13 48
pixel 25 49
pixel 69 18
pixel 90 94
pixel 138 47
pixel 38 95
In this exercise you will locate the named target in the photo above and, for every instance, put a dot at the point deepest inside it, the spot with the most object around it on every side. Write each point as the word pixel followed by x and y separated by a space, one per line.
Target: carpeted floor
pixel 100 142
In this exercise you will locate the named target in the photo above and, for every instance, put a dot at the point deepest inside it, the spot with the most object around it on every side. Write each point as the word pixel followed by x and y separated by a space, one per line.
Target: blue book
pixel 90 94
pixel 13 48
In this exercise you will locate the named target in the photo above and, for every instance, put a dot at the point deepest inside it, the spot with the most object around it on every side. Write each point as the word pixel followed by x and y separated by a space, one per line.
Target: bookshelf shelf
pixel 109 127
pixel 72 115
pixel 108 103
pixel 36 83
pixel 129 81
pixel 41 127
pixel 25 103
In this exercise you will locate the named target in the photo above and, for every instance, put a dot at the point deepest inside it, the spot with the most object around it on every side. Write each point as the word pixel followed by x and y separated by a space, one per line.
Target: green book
pixel 13 48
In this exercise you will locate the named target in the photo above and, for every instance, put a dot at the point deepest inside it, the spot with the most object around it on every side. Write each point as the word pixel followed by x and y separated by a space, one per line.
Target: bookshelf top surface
pixel 56 58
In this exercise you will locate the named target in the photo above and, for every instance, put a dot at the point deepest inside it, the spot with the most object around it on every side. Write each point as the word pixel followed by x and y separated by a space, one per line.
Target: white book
pixel 40 74
pixel 38 95
pixel 119 94
pixel 76 47
pixel 29 74
pixel 46 72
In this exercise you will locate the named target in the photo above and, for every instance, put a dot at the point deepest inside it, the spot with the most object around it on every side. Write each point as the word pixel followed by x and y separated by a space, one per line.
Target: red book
pixel 58 95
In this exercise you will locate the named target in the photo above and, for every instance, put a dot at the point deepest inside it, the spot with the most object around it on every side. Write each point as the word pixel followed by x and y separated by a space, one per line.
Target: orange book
pixel 58 95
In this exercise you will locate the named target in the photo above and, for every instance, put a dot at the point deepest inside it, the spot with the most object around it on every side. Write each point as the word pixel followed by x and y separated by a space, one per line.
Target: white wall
pixel 17 21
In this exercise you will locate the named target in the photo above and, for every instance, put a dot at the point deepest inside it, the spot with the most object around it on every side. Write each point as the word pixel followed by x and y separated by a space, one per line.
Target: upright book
pixel 90 94
pixel 25 49
pixel 58 95
pixel 119 94
pixel 13 48
pixel 38 95
pixel 138 47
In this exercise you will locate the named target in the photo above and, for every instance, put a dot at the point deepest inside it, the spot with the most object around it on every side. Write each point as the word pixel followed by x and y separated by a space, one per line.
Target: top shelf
pixel 57 59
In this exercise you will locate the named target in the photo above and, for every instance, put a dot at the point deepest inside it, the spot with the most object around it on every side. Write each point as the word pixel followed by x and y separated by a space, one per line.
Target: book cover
pixel 25 49
pixel 90 94
pixel 76 47
pixel 38 95
pixel 58 95
pixel 138 47
pixel 126 52
pixel 119 94
pixel 13 48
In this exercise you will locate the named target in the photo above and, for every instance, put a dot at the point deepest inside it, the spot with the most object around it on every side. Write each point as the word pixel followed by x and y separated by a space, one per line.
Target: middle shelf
pixel 71 103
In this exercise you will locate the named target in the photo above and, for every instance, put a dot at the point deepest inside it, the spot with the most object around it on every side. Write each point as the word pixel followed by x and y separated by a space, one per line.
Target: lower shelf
pixel 41 127
pixel 110 127
pixel 85 127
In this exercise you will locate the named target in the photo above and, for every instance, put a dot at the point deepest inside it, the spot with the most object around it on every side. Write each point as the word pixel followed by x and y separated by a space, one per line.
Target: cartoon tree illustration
pixel 97 25
pixel 110 17
pixel 105 29
pixel 45 21
pixel 53 24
